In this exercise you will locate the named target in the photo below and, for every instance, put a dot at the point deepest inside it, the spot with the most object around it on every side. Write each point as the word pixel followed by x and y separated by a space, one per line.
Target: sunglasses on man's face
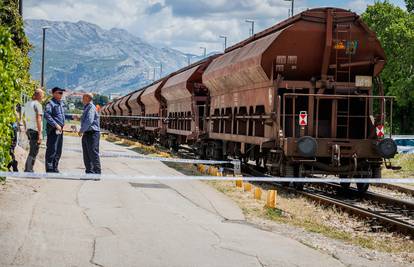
pixel 60 93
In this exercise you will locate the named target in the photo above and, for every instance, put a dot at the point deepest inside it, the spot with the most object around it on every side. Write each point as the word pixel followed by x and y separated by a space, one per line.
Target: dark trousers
pixel 13 163
pixel 90 147
pixel 54 145
pixel 33 136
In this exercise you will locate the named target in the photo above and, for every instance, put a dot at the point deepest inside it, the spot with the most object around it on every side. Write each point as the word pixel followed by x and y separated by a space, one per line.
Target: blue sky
pixel 181 24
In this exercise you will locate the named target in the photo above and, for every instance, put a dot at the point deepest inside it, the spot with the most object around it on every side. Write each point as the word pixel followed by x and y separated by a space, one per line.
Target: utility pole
pixel 205 51
pixel 225 41
pixel 42 78
pixel 160 70
pixel 21 8
pixel 252 26
pixel 292 7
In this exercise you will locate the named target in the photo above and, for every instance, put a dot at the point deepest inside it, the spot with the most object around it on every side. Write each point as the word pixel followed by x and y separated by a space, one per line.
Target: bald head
pixel 38 94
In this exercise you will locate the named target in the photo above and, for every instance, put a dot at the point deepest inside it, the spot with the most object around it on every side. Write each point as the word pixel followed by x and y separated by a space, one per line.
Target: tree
pixel 100 100
pixel 10 17
pixel 410 5
pixel 14 72
pixel 395 30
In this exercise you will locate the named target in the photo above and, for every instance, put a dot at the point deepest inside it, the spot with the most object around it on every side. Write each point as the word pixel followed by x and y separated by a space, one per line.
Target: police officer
pixel 55 118
pixel 90 132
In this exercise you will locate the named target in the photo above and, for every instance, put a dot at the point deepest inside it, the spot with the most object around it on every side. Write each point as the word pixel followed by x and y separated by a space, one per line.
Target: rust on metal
pixel 124 106
pixel 134 103
pixel 150 98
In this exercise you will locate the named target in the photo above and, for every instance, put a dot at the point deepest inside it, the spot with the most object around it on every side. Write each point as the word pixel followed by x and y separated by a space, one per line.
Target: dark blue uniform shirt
pixel 54 113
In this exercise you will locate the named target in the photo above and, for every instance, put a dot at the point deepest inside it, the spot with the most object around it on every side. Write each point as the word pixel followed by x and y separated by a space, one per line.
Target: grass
pixel 406 161
pixel 138 147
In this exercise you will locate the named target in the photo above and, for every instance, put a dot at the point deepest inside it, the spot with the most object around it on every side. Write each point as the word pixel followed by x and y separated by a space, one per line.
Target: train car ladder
pixel 343 55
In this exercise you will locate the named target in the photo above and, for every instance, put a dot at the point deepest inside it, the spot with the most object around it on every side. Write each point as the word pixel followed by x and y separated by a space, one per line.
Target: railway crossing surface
pixel 147 223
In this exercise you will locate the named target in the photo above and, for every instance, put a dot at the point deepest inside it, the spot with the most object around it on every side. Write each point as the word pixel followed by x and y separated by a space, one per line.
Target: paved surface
pixel 148 223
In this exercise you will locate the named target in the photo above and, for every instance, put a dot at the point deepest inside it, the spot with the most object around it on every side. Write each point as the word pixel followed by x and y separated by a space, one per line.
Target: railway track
pixel 383 213
pixel 398 188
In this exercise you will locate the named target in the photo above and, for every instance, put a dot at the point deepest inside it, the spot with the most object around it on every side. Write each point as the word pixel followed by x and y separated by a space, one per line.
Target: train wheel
pixel 298 173
pixel 259 161
pixel 289 173
pixel 376 173
pixel 362 187
pixel 344 185
pixel 298 186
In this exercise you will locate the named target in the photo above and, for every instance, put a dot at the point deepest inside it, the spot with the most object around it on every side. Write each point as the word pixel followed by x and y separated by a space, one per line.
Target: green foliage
pixel 395 30
pixel 101 100
pixel 410 5
pixel 14 73
pixel 10 17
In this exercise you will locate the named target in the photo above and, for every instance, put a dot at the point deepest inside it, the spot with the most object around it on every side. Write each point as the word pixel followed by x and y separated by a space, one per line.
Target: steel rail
pixel 389 222
pixel 380 198
pixel 397 188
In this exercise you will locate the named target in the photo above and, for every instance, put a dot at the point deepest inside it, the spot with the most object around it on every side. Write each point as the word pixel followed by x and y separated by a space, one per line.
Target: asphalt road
pixel 147 223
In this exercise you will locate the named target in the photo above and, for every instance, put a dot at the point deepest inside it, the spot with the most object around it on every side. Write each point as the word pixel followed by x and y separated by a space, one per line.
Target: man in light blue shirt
pixel 90 132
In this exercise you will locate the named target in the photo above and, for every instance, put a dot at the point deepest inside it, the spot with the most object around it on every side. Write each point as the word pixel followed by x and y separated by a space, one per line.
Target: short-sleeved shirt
pixel 31 110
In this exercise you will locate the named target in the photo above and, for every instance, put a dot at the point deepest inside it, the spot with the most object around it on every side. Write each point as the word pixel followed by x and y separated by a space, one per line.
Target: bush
pixel 14 72
pixel 14 80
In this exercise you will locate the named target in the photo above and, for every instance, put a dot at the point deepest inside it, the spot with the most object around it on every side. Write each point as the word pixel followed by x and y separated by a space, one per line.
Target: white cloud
pixel 358 6
pixel 181 24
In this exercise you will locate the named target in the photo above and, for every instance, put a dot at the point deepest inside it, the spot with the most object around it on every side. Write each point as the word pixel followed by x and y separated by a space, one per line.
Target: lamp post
pixel 42 77
pixel 160 70
pixel 189 59
pixel 291 9
pixel 21 8
pixel 205 51
pixel 252 24
pixel 225 41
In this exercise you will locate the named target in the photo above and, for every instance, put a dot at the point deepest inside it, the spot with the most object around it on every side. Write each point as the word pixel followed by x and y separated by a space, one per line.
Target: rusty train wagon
pixel 186 101
pixel 109 120
pixel 136 108
pixel 154 107
pixel 104 118
pixel 299 98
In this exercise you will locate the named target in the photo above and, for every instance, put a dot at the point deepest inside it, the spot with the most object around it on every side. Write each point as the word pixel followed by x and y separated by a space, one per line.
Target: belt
pixel 90 132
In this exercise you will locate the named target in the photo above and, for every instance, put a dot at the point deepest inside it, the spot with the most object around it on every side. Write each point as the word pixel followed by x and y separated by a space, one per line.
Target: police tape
pixel 127 177
pixel 73 116
pixel 150 158
pixel 134 117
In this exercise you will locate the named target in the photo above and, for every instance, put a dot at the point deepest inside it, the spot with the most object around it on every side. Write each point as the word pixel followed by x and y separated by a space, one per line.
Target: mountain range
pixel 82 56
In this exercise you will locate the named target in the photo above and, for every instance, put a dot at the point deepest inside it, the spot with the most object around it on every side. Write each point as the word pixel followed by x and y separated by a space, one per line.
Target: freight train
pixel 301 99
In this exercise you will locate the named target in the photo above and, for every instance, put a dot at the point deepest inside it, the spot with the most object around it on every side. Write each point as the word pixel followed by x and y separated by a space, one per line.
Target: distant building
pixel 74 97
pixel 114 96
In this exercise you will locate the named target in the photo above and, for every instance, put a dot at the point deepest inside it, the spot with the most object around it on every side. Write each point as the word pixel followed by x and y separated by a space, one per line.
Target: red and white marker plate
pixel 303 118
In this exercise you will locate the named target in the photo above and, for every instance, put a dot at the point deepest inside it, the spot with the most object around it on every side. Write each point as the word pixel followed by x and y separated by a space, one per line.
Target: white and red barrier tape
pixel 127 177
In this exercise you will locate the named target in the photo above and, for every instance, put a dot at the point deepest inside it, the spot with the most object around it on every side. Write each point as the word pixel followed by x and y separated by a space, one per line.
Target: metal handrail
pixel 337 97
